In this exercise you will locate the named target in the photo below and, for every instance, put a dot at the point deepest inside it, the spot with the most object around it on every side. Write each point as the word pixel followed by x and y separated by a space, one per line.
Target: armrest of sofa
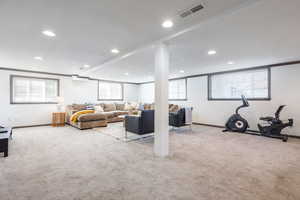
pixel 69 112
pixel 177 119
pixel 133 123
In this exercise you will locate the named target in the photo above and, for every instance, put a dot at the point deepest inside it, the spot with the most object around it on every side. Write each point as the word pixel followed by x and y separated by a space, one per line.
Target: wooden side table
pixel 58 119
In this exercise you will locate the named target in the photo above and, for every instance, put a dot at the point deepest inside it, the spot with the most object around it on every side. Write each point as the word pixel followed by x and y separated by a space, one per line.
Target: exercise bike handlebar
pixel 277 114
pixel 245 104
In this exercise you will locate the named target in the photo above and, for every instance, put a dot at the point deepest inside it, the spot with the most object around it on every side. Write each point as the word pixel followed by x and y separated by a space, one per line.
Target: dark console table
pixel 5 135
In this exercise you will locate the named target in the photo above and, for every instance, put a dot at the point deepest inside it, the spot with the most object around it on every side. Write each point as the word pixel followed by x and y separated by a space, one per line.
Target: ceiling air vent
pixel 190 11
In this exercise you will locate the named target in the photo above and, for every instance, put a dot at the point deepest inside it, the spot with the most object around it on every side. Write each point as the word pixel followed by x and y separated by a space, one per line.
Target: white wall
pixel 35 114
pixel 285 86
pixel 146 93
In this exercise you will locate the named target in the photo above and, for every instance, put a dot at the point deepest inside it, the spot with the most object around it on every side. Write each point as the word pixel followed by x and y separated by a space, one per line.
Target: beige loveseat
pixel 112 112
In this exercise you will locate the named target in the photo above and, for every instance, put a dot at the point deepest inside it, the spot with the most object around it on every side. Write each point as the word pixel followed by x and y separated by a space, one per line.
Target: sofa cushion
pixel 120 106
pixel 108 107
pixel 109 115
pixel 91 117
pixel 100 104
pixel 120 112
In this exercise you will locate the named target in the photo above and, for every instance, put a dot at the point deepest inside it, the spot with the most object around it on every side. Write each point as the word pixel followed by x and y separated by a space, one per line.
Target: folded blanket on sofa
pixel 75 116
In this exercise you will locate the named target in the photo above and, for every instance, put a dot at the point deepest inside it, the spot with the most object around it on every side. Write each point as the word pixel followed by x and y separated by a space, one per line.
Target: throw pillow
pixel 89 107
pixel 108 107
pixel 128 107
pixel 152 107
pixel 135 105
pixel 98 109
pixel 120 106
pixel 174 108
pixel 147 106
pixel 78 107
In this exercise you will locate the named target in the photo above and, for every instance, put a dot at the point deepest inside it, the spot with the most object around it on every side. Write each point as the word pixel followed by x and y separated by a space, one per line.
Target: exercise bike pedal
pixel 285 138
pixel 291 122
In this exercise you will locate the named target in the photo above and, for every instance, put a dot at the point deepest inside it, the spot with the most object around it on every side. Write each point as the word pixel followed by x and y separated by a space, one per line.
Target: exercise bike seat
pixel 268 119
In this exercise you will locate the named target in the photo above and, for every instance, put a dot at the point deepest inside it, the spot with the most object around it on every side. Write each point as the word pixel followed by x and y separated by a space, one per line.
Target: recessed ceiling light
pixel 167 24
pixel 38 58
pixel 126 74
pixel 86 66
pixel 49 33
pixel 181 71
pixel 115 51
pixel 211 52
pixel 230 63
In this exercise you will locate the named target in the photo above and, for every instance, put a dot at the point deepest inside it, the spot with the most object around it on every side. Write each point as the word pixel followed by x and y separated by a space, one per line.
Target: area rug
pixel 117 131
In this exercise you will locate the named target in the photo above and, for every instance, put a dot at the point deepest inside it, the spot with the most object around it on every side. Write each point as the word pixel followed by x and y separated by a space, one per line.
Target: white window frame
pixel 210 83
pixel 12 100
pixel 111 99
pixel 185 88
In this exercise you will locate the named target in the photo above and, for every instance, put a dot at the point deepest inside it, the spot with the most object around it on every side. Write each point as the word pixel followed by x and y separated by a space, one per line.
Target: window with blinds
pixel 254 84
pixel 33 90
pixel 109 91
pixel 177 89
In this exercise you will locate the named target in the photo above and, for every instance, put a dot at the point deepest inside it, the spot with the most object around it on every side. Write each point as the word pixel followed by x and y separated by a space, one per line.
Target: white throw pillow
pixel 128 107
pixel 134 105
pixel 98 109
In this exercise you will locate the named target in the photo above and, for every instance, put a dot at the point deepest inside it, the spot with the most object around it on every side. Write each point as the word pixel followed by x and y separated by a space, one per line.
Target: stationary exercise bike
pixel 236 123
pixel 275 125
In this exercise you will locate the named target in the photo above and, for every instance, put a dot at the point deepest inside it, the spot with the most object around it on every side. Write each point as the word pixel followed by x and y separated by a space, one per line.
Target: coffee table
pixel 5 134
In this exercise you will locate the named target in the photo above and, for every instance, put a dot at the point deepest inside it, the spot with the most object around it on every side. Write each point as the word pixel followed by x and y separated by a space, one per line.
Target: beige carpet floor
pixel 48 163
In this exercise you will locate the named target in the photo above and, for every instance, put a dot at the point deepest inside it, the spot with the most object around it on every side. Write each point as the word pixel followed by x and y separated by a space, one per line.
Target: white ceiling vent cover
pixel 191 11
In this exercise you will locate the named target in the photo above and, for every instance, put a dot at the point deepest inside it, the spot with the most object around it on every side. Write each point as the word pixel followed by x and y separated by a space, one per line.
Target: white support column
pixel 161 139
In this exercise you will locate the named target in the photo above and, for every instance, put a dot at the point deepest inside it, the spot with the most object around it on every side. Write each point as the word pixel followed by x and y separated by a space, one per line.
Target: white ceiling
pixel 87 30
pixel 261 33
pixel 248 32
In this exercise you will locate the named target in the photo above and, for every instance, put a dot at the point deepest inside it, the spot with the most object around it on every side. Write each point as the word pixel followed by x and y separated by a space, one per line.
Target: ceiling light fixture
pixel 86 66
pixel 38 58
pixel 115 51
pixel 167 24
pixel 211 52
pixel 230 63
pixel 49 33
